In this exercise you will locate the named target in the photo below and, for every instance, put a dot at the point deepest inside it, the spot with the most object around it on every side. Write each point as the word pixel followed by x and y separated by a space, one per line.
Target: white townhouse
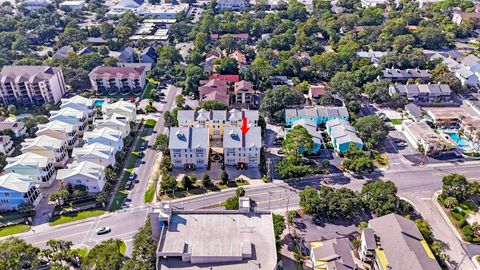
pixel 242 150
pixel 106 136
pixel 38 167
pixel 115 121
pixel 86 173
pixel 97 153
pixel 60 130
pixel 71 116
pixel 49 147
pixel 6 145
pixel 189 147
pixel 80 103
pixel 17 189
pixel 121 107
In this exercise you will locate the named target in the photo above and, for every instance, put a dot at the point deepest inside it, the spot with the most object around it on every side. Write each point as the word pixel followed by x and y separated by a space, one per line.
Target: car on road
pixel 103 230
pixel 141 154
pixel 129 185
pixel 132 176
pixel 402 144
pixel 144 145
pixel 390 126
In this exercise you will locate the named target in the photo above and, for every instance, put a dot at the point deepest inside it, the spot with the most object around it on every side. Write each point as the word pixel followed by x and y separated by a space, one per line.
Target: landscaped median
pixel 19 228
pixel 75 216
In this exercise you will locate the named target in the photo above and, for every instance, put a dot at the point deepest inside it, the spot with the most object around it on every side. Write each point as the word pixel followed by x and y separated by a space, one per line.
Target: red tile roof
pixel 230 78
pixel 218 96
pixel 116 72
pixel 317 90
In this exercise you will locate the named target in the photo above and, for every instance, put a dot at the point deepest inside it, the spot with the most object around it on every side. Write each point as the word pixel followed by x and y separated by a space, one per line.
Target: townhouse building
pixel 31 85
pixel 39 168
pixel 6 145
pixel 242 150
pixel 342 135
pixel 318 114
pixel 311 127
pixel 422 93
pixel 115 121
pixel 60 130
pixel 216 120
pixel 80 103
pixel 403 75
pixel 96 152
pixel 106 136
pixel 465 70
pixel 189 147
pixel 121 107
pixel 71 116
pixel 86 173
pixel 118 79
pixel 49 147
pixel 18 128
pixel 17 189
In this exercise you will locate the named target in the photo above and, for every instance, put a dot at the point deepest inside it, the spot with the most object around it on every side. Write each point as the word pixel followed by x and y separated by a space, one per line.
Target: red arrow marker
pixel 244 127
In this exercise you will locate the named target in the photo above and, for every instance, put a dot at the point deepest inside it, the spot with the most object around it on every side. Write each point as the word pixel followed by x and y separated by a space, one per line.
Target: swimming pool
pixel 98 102
pixel 457 139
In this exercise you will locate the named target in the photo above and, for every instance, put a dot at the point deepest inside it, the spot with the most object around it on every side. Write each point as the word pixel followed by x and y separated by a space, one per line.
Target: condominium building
pixel 39 168
pixel 6 145
pixel 426 93
pixel 403 75
pixel 49 147
pixel 394 242
pixel 71 116
pixel 86 173
pixel 244 94
pixel 17 189
pixel 318 114
pixel 96 152
pixel 189 147
pixel 231 4
pixel 118 79
pixel 60 130
pixel 31 85
pixel 115 121
pixel 216 120
pixel 242 150
pixel 105 136
pixel 121 107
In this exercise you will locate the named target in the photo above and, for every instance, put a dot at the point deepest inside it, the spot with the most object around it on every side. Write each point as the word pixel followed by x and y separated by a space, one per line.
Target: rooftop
pixel 334 254
pixel 188 138
pixel 21 74
pixel 16 182
pixel 104 72
pixel 85 168
pixel 234 138
pixel 28 159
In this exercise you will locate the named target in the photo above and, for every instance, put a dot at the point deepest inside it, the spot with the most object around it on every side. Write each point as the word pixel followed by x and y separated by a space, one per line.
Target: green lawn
pixel 82 251
pixel 147 94
pixel 123 248
pixel 19 228
pixel 232 185
pixel 468 207
pixel 396 121
pixel 150 123
pixel 75 216
pixel 148 197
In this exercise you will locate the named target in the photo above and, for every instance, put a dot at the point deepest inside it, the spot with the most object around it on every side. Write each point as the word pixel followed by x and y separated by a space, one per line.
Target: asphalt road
pixel 145 165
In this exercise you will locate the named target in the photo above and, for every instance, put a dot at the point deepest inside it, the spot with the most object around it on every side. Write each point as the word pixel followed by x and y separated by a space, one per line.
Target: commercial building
pixel 38 168
pixel 6 145
pixel 318 114
pixel 423 137
pixel 118 79
pixel 189 147
pixel 394 242
pixel 86 173
pixel 334 254
pixel 17 189
pixel 213 239
pixel 422 93
pixel 49 147
pixel 96 152
pixel 342 135
pixel 31 85
pixel 161 11
pixel 242 150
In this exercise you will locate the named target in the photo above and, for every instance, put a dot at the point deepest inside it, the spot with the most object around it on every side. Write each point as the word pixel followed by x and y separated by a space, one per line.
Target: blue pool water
pixel 99 102
pixel 459 140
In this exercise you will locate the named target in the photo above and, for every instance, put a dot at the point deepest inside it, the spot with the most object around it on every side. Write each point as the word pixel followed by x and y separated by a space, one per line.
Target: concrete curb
pixel 445 217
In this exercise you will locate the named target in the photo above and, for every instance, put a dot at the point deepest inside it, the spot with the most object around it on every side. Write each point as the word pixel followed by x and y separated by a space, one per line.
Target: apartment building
pixel 121 107
pixel 96 152
pixel 426 93
pixel 31 85
pixel 189 147
pixel 242 150
pixel 71 116
pixel 18 128
pixel 60 130
pixel 318 114
pixel 244 94
pixel 231 4
pixel 394 242
pixel 80 103
pixel 86 173
pixel 39 168
pixel 403 75
pixel 6 145
pixel 17 189
pixel 216 120
pixel 115 121
pixel 118 79
pixel 106 136
pixel 49 147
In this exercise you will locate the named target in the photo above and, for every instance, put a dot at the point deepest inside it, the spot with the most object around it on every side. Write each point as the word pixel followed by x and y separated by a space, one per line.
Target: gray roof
pixel 188 138
pixel 400 241
pixel 234 138
pixel 470 60
pixel 127 55
pixel 221 115
pixel 415 89
pixel 62 52
pixel 318 111
pixel 413 110
pixel 337 254
pixel 405 73
pixel 21 74
pixel 369 236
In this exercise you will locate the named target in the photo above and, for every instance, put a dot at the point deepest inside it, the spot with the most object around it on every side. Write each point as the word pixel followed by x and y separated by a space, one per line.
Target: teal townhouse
pixel 318 114
pixel 17 189
pixel 311 127
pixel 342 135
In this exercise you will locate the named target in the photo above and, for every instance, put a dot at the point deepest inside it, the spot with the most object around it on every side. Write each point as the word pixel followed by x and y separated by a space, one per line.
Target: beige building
pixel 118 79
pixel 48 146
pixel 60 130
pixel 31 85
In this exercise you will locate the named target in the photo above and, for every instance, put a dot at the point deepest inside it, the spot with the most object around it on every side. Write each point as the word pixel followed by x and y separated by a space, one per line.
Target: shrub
pixel 457 216
pixel 467 231
pixel 462 223
pixel 475 240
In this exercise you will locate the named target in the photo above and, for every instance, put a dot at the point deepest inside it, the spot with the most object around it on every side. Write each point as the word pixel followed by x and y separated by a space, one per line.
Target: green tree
pixel 161 143
pixel 441 74
pixel 16 254
pixel 240 192
pixel 450 202
pixel 11 109
pixel 110 175
pixel 214 105
pixel 456 186
pixel 298 140
pixel 224 176
pixel 104 256
pixel 380 197
pixel 372 130
pixel 168 183
pixel 276 101
pixel 180 100
pixel 226 65
pixel 144 247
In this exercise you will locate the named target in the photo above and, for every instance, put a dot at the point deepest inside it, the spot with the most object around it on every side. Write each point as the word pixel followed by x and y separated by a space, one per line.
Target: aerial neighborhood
pixel 233 134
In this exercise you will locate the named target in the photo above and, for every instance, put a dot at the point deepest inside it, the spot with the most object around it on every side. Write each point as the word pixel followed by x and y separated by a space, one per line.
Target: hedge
pixel 475 240
pixel 467 230
pixel 457 216
pixel 462 223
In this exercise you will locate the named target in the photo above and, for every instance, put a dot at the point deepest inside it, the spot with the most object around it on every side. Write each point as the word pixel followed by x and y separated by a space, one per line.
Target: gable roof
pixel 16 182
pixel 85 168
pixel 188 138
pixel 62 52
pixel 127 55
pixel 116 72
pixel 233 137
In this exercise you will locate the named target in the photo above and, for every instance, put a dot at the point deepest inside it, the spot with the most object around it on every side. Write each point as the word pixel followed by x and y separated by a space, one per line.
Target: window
pixel 199 151
pixel 200 161
pixel 6 194
pixel 176 150
pixel 79 181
